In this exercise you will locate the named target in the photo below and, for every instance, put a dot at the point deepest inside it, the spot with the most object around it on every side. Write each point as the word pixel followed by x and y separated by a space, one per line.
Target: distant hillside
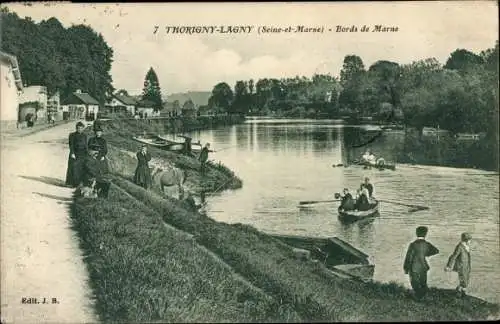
pixel 199 98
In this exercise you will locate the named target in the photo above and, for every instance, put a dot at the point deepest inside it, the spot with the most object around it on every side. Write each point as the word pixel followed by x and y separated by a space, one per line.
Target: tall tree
pixel 241 98
pixel 151 90
pixel 462 60
pixel 222 97
pixel 352 68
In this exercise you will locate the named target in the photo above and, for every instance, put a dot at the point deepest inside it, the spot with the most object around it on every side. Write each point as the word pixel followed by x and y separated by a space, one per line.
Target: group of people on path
pixel 87 162
pixel 416 266
pixel 363 201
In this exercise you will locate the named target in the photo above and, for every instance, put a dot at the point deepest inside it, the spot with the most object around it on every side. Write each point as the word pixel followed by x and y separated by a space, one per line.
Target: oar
pixel 317 202
pixel 416 207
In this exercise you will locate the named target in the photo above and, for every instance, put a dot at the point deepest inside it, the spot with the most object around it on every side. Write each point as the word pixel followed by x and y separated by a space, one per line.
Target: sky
pixel 197 62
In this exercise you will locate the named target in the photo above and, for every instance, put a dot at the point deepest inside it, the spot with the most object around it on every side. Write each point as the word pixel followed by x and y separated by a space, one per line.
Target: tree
pixel 151 90
pixel 241 101
pixel 462 60
pixel 61 59
pixel 122 92
pixel 352 68
pixel 351 75
pixel 222 97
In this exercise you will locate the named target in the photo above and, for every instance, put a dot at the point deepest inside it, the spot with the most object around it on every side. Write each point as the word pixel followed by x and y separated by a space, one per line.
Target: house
pixel 197 98
pixel 122 103
pixel 206 111
pixel 171 109
pixel 145 109
pixel 11 87
pixel 54 106
pixel 33 100
pixel 81 105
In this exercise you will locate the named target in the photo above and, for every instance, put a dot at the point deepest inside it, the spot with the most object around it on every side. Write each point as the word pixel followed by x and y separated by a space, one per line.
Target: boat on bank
pixel 355 215
pixel 152 141
pixel 338 256
pixel 177 143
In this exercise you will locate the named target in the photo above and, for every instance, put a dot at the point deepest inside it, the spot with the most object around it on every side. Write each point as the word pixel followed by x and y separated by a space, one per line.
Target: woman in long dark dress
pixel 78 151
pixel 142 175
pixel 99 142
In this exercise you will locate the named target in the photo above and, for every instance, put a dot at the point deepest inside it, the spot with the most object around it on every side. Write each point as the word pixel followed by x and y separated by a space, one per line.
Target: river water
pixel 282 162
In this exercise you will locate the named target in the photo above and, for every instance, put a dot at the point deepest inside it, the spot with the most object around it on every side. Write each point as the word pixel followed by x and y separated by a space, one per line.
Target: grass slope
pixel 142 271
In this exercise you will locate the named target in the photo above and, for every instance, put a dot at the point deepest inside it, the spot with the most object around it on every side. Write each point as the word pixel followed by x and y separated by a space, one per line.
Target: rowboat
pixel 178 145
pixel 354 215
pixel 379 166
pixel 339 257
pixel 153 141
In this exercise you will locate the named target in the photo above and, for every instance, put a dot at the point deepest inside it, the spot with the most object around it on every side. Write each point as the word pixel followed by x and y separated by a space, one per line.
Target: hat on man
pixel 466 237
pixel 422 231
pixel 97 128
pixel 80 124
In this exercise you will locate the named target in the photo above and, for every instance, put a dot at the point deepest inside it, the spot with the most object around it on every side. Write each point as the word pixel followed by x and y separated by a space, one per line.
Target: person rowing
pixel 363 201
pixel 368 186
pixel 347 201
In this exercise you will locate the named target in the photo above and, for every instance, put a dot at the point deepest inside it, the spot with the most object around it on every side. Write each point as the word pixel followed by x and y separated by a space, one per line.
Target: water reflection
pixel 284 163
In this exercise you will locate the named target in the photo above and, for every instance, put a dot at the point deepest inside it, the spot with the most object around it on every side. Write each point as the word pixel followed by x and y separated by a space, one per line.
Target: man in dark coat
pixel 99 142
pixel 96 170
pixel 415 264
pixel 204 157
pixel 368 186
pixel 77 155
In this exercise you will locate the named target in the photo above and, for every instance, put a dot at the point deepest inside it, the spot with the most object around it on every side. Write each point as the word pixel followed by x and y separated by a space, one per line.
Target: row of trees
pixel 62 59
pixel 66 59
pixel 461 96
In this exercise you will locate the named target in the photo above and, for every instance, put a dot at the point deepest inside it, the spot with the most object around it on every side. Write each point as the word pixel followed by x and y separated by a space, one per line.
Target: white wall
pixel 37 94
pixel 9 100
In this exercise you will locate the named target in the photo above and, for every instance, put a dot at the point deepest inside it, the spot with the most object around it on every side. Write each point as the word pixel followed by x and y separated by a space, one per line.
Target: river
pixel 282 162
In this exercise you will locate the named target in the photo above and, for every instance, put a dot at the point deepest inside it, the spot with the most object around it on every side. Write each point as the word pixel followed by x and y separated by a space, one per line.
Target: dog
pixel 89 192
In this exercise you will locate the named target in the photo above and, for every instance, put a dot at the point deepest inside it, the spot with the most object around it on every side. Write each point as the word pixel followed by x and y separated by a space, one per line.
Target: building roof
pixel 12 60
pixel 129 101
pixel 146 104
pixel 84 98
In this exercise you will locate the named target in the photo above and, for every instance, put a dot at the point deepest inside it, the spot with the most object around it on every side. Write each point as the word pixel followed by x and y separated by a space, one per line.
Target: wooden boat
pixel 392 127
pixel 338 256
pixel 178 145
pixel 155 142
pixel 384 166
pixel 354 215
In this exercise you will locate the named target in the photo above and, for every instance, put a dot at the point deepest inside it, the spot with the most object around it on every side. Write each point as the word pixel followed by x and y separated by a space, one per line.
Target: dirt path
pixel 40 256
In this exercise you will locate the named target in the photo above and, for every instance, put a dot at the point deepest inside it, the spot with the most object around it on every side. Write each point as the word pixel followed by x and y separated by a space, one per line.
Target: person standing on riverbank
pixel 415 263
pixel 203 158
pixel 101 144
pixel 77 154
pixel 459 262
pixel 142 176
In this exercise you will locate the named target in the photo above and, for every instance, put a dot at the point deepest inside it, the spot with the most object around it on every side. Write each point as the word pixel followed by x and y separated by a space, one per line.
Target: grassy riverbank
pixel 151 259
pixel 122 149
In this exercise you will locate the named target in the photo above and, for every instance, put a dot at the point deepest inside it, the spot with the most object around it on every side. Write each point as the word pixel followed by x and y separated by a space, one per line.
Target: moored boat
pixel 380 165
pixel 338 256
pixel 155 142
pixel 354 215
pixel 176 144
